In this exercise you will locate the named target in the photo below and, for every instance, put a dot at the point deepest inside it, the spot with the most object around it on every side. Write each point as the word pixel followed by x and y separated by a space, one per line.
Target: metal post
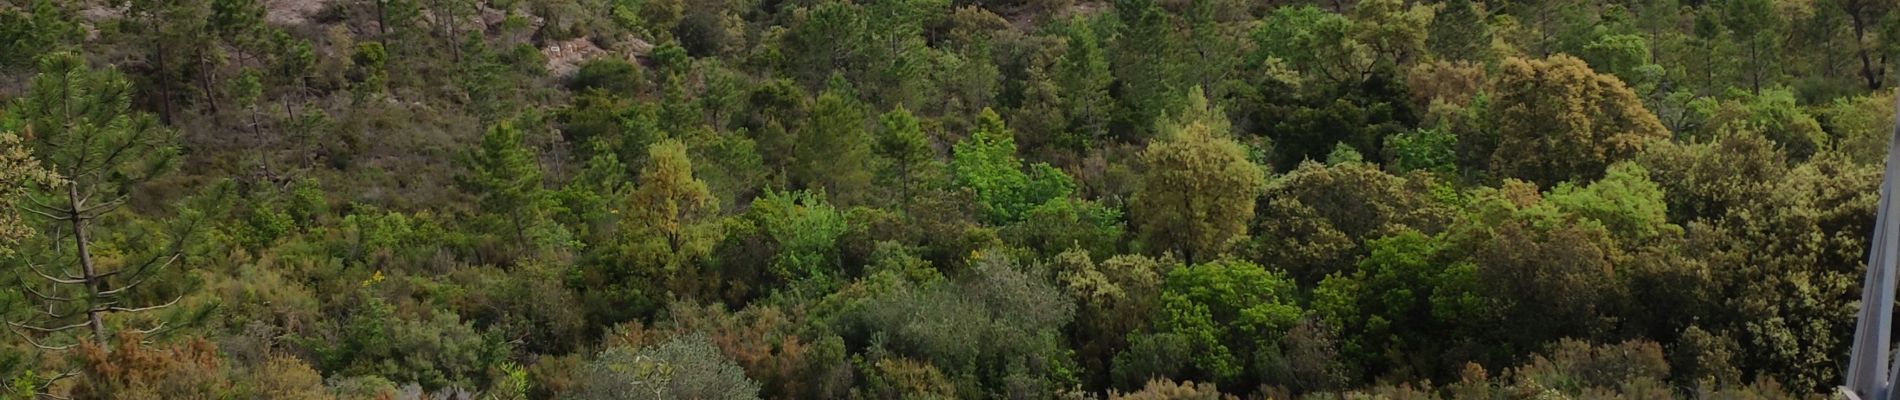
pixel 1869 375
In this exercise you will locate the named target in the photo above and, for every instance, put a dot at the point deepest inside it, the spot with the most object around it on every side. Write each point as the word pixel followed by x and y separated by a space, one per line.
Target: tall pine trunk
pixel 88 273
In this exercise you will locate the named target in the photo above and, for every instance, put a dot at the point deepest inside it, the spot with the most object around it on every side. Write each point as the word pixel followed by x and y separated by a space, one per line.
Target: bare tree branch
pixel 49 313
pixel 92 188
pixel 139 273
pixel 155 329
pixel 140 277
pixel 102 307
pixel 43 296
pixel 144 309
pixel 107 206
pixel 44 214
pixel 29 340
pixel 59 246
pixel 47 330
pixel 42 204
pixel 43 391
pixel 43 274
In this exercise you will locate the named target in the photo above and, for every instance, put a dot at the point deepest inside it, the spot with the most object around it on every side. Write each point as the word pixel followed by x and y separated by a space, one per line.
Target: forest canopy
pixel 937 199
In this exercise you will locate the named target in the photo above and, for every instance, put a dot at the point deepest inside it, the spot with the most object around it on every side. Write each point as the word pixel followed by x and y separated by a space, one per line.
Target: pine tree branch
pixel 70 281
pixel 48 395
pixel 49 348
pixel 29 340
pixel 81 324
pixel 140 276
pixel 49 312
pixel 140 272
pixel 143 309
pixel 42 204
pixel 42 296
pixel 48 215
pixel 43 390
pixel 106 206
pixel 145 332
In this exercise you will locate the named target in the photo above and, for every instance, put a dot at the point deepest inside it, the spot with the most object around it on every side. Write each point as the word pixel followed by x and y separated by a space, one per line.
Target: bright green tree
pixel 1625 201
pixel 1430 150
pixel 805 229
pixel 1402 304
pixel 1316 43
pixel 1227 311
pixel 987 164
pixel 1377 38
pixel 1775 114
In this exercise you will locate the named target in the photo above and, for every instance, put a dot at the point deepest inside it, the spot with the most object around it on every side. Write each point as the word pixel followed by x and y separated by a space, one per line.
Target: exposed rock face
pixel 292 12
pixel 565 57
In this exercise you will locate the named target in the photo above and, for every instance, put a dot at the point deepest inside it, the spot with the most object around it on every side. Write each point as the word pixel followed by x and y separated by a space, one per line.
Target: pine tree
pixel 43 26
pixel 589 200
pixel 900 56
pixel 905 151
pixel 1210 41
pixel 1083 78
pixel 237 20
pixel 506 177
pixel 81 125
pixel 1459 32
pixel 1759 30
pixel 1146 62
pixel 834 149
pixel 1038 117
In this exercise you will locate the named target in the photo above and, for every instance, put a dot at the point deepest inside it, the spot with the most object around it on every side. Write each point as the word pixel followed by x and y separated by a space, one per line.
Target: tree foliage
pixel 937 199
pixel 668 222
pixel 987 164
pixel 1195 197
pixel 1577 120
pixel 684 367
